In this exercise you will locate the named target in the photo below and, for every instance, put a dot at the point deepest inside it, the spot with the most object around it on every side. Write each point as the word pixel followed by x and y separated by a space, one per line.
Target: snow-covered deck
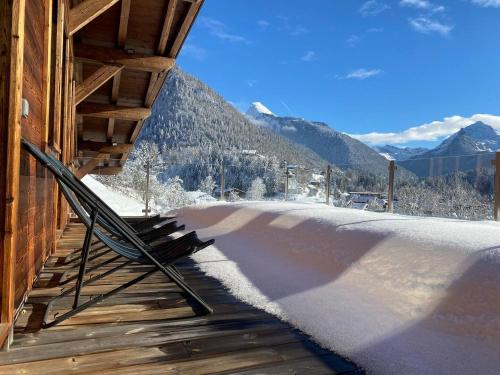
pixel 397 294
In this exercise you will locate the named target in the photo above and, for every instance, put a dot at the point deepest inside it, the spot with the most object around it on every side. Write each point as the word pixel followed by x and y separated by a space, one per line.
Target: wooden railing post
pixel 222 188
pixel 390 193
pixel 496 203
pixel 328 182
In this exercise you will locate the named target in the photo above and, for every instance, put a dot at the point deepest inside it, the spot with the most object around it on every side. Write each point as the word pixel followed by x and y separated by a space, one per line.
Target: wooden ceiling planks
pixel 183 20
pixel 124 50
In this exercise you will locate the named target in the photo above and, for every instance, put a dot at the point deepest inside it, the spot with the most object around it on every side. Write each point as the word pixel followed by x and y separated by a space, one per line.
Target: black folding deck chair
pixel 82 211
pixel 131 247
pixel 62 172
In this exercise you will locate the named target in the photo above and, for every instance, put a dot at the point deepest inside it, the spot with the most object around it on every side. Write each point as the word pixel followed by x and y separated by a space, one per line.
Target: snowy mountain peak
pixel 257 109
pixel 480 131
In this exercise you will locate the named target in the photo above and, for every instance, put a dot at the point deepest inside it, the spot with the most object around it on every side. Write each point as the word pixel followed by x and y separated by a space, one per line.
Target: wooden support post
pixel 222 187
pixel 496 204
pixel 390 193
pixel 328 182
pixel 47 69
pixel 12 13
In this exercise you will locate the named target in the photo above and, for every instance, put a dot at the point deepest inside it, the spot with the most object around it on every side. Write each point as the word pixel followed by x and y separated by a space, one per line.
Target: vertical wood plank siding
pixel 35 233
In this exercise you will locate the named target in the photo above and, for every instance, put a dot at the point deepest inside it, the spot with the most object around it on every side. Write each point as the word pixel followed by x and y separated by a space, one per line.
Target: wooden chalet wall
pixel 35 233
pixel 36 62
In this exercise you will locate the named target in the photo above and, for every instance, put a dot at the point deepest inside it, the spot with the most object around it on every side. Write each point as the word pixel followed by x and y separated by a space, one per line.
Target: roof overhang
pixel 123 52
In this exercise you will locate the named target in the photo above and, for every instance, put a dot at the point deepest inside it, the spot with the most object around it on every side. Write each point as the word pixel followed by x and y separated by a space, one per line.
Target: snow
pixel 386 155
pixel 259 108
pixel 121 204
pixel 200 196
pixel 396 294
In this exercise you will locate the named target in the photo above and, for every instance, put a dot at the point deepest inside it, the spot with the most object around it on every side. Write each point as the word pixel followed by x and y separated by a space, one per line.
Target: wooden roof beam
pixel 185 27
pixel 96 80
pixel 129 59
pixel 113 111
pixel 107 171
pixel 90 165
pixel 124 17
pixel 105 148
pixel 167 27
pixel 86 11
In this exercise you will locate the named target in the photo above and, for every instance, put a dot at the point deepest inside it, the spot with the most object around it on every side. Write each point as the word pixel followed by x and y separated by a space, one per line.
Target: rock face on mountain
pixel 399 153
pixel 470 148
pixel 189 117
pixel 335 147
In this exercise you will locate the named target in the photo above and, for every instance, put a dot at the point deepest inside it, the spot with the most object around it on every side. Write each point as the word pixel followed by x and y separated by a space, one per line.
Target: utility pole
pixel 286 181
pixel 146 210
pixel 390 193
pixel 496 205
pixel 222 188
pixel 328 178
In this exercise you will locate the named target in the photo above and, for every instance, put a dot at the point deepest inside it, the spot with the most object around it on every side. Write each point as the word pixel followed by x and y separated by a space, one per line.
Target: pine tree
pixel 207 185
pixel 257 190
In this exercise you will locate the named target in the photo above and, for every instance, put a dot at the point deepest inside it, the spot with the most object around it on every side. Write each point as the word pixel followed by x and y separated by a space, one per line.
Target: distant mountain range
pixel 337 148
pixel 193 125
pixel 470 148
pixel 399 153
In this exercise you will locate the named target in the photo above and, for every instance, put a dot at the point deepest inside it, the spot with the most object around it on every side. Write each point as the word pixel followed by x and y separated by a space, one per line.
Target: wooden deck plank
pixel 151 328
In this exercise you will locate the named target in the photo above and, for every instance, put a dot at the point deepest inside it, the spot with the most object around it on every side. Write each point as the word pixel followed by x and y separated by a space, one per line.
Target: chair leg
pixel 85 255
pixel 97 299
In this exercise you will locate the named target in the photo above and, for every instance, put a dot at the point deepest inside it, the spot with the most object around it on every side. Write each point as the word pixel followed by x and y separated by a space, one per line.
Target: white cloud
pixel 422 4
pixel 251 82
pixel 299 30
pixel 194 51
pixel 353 40
pixel 218 29
pixel 263 24
pixel 432 131
pixel 373 8
pixel 363 73
pixel 427 26
pixel 309 56
pixel 487 3
pixel 289 28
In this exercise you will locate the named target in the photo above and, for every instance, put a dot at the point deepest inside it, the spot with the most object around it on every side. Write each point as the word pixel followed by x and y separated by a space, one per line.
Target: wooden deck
pixel 151 328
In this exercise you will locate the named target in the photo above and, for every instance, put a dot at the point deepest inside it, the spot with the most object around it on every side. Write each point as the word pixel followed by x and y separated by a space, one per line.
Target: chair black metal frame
pixel 131 247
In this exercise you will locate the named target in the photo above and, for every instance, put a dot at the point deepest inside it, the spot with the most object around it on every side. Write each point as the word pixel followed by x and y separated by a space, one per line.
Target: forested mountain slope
pixel 189 114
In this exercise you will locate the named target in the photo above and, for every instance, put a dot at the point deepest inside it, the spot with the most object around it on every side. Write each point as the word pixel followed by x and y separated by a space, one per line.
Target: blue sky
pixel 361 66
